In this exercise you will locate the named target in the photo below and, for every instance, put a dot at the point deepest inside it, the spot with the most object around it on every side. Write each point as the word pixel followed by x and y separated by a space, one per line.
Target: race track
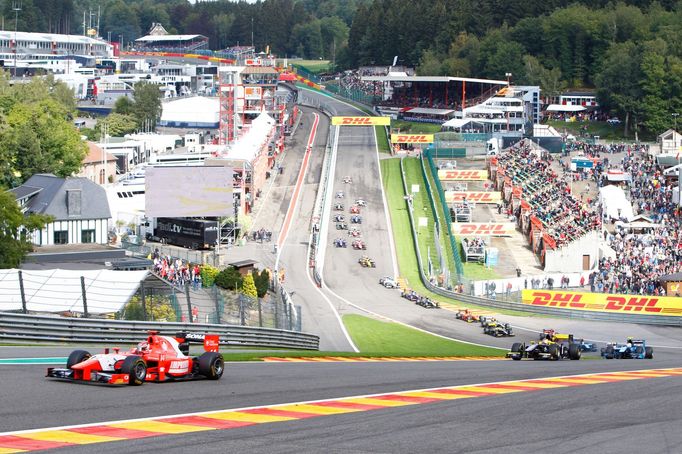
pixel 585 418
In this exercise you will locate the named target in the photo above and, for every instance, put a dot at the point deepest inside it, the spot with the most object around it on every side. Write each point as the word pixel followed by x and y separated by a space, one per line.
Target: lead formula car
pixel 157 359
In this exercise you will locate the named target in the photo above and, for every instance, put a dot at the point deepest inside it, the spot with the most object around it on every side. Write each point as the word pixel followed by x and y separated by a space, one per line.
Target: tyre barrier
pixel 40 328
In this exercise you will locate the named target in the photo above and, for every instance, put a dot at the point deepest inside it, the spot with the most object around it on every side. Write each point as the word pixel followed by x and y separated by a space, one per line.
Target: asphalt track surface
pixel 641 416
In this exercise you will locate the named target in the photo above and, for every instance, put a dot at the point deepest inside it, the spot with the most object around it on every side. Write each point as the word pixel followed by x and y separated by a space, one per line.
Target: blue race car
pixel 632 349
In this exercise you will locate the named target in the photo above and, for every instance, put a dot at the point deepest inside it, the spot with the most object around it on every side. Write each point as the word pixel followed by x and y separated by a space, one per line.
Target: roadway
pixel 614 417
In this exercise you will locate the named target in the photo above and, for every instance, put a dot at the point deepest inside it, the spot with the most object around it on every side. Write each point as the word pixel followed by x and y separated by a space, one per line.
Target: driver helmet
pixel 143 347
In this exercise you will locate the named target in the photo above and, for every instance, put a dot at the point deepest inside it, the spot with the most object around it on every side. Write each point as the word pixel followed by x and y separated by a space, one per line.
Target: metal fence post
pixel 242 312
pixel 260 313
pixel 23 295
pixel 189 303
pixel 85 298
pixel 143 300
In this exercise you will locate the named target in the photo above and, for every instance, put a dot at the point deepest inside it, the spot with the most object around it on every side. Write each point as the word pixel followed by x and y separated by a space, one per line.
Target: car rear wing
pixel 211 341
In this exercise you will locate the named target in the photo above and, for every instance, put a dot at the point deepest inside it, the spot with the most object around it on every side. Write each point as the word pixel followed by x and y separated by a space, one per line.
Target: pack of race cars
pixel 353 229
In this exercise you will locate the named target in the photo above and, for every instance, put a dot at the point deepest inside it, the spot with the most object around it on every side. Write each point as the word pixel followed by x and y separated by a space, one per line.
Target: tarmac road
pixel 633 416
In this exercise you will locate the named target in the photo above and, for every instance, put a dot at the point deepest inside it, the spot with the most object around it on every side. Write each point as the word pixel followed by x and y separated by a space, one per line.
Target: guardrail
pixel 37 328
pixel 508 305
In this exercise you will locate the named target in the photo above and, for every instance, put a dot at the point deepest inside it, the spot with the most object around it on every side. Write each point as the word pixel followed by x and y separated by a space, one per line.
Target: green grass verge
pixel 400 223
pixel 382 139
pixel 414 127
pixel 392 339
pixel 314 66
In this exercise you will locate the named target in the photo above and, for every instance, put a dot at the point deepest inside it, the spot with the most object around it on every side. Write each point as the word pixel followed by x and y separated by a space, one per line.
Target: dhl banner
pixel 603 302
pixel 472 196
pixel 463 175
pixel 361 121
pixel 411 138
pixel 483 228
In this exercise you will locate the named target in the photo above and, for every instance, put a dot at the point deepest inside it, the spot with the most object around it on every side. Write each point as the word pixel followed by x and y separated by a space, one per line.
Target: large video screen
pixel 190 191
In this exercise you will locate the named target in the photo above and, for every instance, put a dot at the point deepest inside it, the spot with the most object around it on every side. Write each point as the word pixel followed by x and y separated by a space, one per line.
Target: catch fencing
pixel 32 328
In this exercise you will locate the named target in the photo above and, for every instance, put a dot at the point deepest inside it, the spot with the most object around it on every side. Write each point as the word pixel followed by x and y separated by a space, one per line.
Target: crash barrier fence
pixel 459 270
pixel 322 210
pixel 557 312
pixel 33 328
pixel 410 209
pixel 235 308
pixel 188 255
pixel 437 221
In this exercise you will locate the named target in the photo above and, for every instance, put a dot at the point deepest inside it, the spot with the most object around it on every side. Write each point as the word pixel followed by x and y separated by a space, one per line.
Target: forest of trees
pixel 629 51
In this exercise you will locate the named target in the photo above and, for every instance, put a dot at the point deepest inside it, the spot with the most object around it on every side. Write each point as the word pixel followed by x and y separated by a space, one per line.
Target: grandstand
pixel 158 39
pixel 32 47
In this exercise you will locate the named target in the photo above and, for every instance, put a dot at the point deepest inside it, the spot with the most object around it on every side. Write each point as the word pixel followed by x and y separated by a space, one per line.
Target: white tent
pixel 60 290
pixel 197 111
pixel 250 144
pixel 564 108
pixel 614 203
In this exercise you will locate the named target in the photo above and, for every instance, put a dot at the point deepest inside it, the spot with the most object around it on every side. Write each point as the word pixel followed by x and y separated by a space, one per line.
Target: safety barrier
pixel 36 328
pixel 446 215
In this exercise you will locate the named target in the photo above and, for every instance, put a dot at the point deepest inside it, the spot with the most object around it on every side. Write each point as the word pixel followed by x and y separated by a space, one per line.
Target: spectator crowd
pixel 176 271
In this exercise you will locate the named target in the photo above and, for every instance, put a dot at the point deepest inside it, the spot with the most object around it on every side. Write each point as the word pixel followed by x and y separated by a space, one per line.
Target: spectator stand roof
pixel 427 111
pixel 436 79
pixel 195 111
pixel 58 290
pixel 168 38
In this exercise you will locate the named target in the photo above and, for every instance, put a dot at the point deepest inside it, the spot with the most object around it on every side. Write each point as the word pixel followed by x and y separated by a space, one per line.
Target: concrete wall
pixel 569 259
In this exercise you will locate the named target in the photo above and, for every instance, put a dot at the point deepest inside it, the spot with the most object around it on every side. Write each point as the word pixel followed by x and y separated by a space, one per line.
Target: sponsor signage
pixel 473 196
pixel 361 121
pixel 623 304
pixel 483 228
pixel 412 138
pixel 463 175
pixel 252 92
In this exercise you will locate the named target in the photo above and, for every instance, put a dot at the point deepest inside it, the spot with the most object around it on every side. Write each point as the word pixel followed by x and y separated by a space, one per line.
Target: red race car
pixel 156 359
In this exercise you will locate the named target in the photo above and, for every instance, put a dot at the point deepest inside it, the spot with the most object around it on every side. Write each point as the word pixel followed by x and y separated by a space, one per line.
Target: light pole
pixel 675 115
pixel 508 76
pixel 16 7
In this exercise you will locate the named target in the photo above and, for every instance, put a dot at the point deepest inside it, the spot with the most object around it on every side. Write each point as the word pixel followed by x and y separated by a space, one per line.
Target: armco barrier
pixel 35 328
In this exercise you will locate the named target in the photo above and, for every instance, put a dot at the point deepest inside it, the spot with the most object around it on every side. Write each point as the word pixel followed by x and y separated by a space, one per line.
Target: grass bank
pixel 392 339
pixel 413 127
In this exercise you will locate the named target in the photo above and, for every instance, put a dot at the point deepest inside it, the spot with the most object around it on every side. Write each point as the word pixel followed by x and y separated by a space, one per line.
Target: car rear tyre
pixel 77 356
pixel 574 351
pixel 649 353
pixel 211 365
pixel 608 353
pixel 136 370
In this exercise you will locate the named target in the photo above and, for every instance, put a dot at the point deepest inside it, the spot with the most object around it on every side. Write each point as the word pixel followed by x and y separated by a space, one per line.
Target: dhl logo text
pixel 356 121
pixel 476 196
pixel 464 175
pixel 472 229
pixel 570 300
pixel 634 304
pixel 411 138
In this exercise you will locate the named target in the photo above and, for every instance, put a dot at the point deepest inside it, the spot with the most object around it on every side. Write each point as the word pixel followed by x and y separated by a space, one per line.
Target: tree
pixel 157 308
pixel 15 230
pixel 229 278
pixel 208 275
pixel 249 286
pixel 262 281
pixel 123 106
pixel 116 125
pixel 618 82
pixel 147 104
